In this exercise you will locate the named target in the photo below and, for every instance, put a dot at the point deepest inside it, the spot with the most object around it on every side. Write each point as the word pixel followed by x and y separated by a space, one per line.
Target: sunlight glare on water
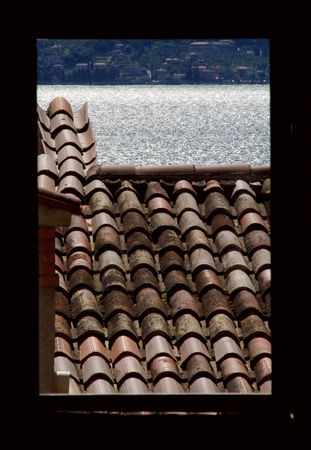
pixel 182 124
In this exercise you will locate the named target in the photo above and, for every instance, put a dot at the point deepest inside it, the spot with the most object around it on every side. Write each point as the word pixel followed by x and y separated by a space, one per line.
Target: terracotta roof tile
pixel 82 303
pixel 169 240
pixel 74 387
pixel 59 105
pixel 95 367
pixel 253 326
pixel 232 260
pixel 242 186
pixel 263 370
pixel 205 280
pixel 158 346
pixel 190 221
pixel 232 367
pixel 113 279
pixel 197 239
pixel 168 385
pixel 43 117
pixel 197 367
pixel 89 157
pixel 266 386
pixel 79 260
pixel 192 346
pixel 171 260
pixel 261 260
pixel 161 222
pixel 110 259
pixel 226 347
pixel 120 324
pixel 160 204
pixel 50 151
pixel 255 240
pixel 264 280
pixel 238 280
pixel 67 137
pixel 253 221
pixel 71 167
pixel 154 324
pixel 100 386
pixel 62 327
pixel 89 326
pixel 81 118
pixel 68 152
pixel 184 186
pixel 117 302
pixel 239 384
pixel 80 278
pixel 266 188
pixel 186 202
pixel 203 385
pixel 164 366
pixel 46 137
pixel 245 203
pixel 70 184
pixel 93 346
pixel 148 300
pixel 96 186
pixel 60 122
pixel 215 302
pixel 155 189
pixel 182 302
pixel 201 259
pixel 245 303
pixel 216 203
pixel 86 139
pixel 63 348
pixel 133 222
pixel 141 258
pixel 188 326
pixel 64 364
pixel 138 240
pixel 175 280
pixel 124 346
pixel 47 166
pixel 258 348
pixel 221 222
pixel 144 278
pixel 212 186
pixel 62 305
pixel 221 325
pixel 107 238
pixel 166 267
pixel 128 201
pixel 133 386
pixel 127 367
pixel 46 182
pixel 226 240
pixel 102 219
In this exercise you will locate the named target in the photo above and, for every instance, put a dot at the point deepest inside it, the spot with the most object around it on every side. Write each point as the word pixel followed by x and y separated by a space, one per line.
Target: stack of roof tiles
pixel 164 285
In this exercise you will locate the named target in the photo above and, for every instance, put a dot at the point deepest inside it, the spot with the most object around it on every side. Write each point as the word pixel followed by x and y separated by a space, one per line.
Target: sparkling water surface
pixel 181 124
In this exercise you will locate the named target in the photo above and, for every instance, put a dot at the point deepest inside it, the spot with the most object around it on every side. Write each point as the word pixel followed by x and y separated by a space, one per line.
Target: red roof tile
pixel 59 105
pixel 124 346
pixel 80 117
pixel 158 346
pixel 95 367
pixel 163 265
pixel 60 122
pixel 93 346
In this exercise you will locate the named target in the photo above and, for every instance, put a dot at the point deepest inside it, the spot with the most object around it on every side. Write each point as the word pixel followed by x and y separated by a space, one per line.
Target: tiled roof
pixel 164 277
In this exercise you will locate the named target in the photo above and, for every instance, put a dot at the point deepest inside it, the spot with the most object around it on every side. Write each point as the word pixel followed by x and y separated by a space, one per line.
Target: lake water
pixel 181 124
